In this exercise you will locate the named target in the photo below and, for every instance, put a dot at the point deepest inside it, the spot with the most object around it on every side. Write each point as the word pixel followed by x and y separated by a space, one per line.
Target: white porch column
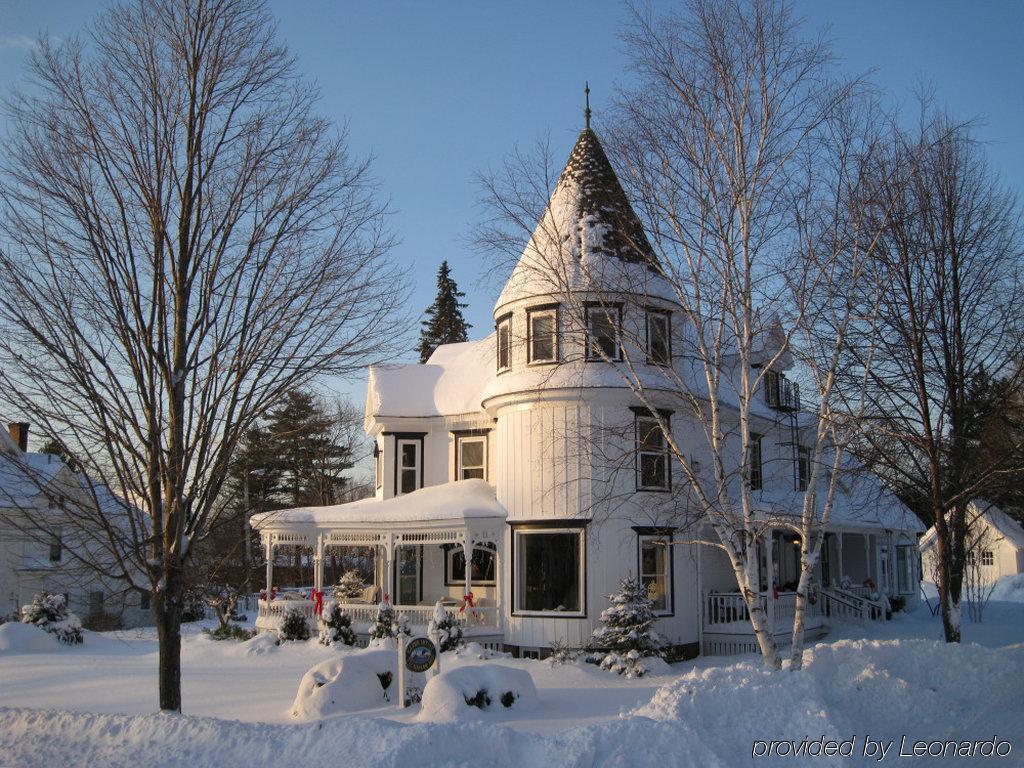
pixel 499 585
pixel 839 557
pixel 389 562
pixel 467 553
pixel 867 559
pixel 268 546
pixel 768 541
pixel 318 563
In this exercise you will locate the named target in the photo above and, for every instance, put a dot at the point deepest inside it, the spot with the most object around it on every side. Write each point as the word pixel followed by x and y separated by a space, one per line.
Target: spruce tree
pixel 627 633
pixel 445 323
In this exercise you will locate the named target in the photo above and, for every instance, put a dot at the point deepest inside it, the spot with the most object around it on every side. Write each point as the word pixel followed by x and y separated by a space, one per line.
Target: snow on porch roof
pixel 452 502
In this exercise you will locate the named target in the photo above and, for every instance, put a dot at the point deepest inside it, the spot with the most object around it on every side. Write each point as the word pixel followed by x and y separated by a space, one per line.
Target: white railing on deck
pixel 730 607
pixel 366 613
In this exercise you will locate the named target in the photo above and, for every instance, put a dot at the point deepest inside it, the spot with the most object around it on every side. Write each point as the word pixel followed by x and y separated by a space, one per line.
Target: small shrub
pixel 508 698
pixel 337 628
pixel 388 624
pixel 561 653
pixel 481 700
pixel 447 627
pixel 230 632
pixel 293 625
pixel 50 613
pixel 193 609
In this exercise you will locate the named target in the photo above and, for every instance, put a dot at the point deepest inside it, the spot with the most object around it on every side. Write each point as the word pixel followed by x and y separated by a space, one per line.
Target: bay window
pixel 549 570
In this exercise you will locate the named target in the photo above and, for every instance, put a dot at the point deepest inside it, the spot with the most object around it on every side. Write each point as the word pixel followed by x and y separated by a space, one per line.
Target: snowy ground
pixel 91 705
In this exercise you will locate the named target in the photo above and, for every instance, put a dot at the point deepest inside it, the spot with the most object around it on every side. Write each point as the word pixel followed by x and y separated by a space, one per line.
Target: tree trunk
pixel 168 627
pixel 950 576
pixel 796 651
pixel 759 620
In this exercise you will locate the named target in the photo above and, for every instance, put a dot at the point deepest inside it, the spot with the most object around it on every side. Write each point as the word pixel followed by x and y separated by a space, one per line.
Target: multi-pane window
pixel 988 557
pixel 472 457
pixel 603 332
pixel 803 468
pixel 482 562
pixel 659 349
pixel 504 334
pixel 542 340
pixel 754 461
pixel 652 467
pixel 408 466
pixel 549 570
pixel 656 572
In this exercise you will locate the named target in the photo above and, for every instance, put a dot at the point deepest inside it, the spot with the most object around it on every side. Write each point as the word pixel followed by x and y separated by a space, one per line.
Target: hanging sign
pixel 420 654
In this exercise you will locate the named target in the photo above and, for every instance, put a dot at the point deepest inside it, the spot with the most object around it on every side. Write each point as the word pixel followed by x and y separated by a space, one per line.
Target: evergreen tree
pixel 626 635
pixel 337 628
pixel 445 323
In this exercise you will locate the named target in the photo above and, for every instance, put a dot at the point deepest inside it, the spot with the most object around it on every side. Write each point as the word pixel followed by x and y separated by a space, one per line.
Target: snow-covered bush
pixel 193 609
pixel 561 653
pixel 388 624
pixel 230 632
pixel 349 682
pixel 626 636
pixel 466 692
pixel 293 625
pixel 50 613
pixel 449 631
pixel 337 628
pixel 350 586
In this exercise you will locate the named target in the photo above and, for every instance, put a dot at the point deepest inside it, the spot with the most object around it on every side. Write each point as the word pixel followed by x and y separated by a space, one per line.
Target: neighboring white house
pixel 525 454
pixel 995 544
pixel 37 490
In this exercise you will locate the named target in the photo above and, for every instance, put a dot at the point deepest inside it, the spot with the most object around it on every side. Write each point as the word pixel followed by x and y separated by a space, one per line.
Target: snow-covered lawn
pixel 93 704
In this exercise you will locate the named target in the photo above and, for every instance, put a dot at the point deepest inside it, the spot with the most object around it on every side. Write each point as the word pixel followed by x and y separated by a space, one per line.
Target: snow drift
pixel 16 637
pixel 354 681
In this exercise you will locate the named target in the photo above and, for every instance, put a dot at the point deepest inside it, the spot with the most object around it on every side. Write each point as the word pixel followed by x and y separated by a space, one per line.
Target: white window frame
pixel 613 311
pixel 661 315
pixel 666 556
pixel 536 314
pixel 517 537
pixel 988 558
pixel 505 324
pixel 400 468
pixel 461 440
pixel 640 453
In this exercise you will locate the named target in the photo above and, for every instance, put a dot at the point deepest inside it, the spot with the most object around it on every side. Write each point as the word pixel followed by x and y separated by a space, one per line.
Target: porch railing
pixel 730 607
pixel 366 613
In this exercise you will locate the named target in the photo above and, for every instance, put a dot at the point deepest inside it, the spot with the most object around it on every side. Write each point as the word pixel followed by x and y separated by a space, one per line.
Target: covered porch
pixel 442 543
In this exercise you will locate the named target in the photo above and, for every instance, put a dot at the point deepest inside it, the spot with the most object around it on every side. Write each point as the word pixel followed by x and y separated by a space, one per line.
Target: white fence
pixel 366 613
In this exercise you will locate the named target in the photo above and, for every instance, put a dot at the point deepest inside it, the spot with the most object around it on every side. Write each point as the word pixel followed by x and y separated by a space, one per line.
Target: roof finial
pixel 586 112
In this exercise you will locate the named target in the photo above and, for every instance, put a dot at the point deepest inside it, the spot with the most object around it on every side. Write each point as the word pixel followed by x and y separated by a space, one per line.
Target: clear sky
pixel 440 91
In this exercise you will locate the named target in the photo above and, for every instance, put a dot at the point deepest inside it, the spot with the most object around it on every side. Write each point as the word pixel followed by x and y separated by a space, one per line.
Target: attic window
pixel 504 334
pixel 604 329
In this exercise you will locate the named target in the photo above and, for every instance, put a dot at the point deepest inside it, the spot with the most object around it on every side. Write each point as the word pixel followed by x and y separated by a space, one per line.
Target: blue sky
pixel 440 91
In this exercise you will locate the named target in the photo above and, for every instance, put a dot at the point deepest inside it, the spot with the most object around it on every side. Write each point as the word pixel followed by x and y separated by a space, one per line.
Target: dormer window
pixel 504 334
pixel 659 337
pixel 604 331
pixel 542 334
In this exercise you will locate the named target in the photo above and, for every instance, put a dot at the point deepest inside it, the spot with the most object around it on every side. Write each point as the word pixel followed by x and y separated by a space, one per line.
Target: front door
pixel 883 568
pixel 408 575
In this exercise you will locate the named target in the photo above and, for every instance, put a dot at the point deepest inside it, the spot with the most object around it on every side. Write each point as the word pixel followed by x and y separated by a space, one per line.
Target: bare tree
pixel 184 241
pixel 943 300
pixel 749 164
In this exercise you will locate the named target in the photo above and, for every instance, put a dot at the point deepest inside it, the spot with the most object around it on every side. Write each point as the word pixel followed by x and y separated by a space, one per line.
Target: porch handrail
pixel 366 613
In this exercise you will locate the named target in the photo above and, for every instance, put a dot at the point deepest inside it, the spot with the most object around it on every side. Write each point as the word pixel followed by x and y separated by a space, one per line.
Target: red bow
pixel 468 600
pixel 318 602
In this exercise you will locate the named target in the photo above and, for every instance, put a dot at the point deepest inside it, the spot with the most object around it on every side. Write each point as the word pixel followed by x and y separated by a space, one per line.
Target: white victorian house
pixel 527 455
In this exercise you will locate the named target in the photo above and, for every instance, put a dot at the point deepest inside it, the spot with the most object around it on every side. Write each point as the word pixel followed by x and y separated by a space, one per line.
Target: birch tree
pixel 183 241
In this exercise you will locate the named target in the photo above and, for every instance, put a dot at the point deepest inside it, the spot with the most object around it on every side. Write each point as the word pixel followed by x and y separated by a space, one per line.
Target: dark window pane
pixel 652 470
pixel 473 473
pixel 603 334
pixel 651 436
pixel 503 345
pixel 473 453
pixel 408 480
pixel 658 337
pixel 483 565
pixel 549 572
pixel 408 455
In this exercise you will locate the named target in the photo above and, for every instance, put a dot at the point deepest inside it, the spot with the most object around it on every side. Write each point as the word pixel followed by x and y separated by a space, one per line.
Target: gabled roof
pixel 589 237
pixel 986 513
pixel 24 476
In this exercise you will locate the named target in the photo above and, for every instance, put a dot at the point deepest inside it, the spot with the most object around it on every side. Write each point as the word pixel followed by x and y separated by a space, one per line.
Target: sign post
pixel 401 670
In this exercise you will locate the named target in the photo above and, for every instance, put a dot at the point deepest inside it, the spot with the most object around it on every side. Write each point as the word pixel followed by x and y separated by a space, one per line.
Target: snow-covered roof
pixel 861 501
pixel 449 383
pixel 981 511
pixel 451 502
pixel 589 238
pixel 23 477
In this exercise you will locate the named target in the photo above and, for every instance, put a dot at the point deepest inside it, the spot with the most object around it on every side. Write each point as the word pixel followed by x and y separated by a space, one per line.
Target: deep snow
pixel 901 680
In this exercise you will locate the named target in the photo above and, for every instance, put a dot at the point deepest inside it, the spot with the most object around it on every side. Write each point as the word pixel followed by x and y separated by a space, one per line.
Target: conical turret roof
pixel 589 237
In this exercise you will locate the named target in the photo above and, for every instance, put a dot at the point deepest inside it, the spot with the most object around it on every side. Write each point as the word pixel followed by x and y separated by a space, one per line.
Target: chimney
pixel 19 434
